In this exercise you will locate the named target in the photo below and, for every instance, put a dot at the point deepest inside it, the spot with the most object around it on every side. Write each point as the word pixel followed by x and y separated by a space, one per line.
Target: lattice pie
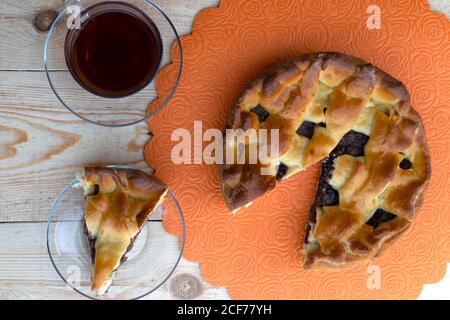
pixel 119 202
pixel 356 119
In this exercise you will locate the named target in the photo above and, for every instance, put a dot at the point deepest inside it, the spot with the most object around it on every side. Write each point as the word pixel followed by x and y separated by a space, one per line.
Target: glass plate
pixel 152 260
pixel 110 112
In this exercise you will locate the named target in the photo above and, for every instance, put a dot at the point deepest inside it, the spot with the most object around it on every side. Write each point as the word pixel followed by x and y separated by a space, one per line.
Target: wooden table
pixel 42 145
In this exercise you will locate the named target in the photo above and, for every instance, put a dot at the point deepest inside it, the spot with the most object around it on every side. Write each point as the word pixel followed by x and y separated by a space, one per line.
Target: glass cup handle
pixel 74 10
pixel 69 3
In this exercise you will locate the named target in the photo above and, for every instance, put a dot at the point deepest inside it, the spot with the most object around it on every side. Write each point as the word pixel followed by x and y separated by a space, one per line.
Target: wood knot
pixel 44 20
pixel 185 286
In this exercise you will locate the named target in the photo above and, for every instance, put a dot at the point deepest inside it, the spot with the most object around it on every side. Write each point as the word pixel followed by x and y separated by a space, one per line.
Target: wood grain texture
pixel 442 6
pixel 42 146
pixel 26 271
pixel 22 46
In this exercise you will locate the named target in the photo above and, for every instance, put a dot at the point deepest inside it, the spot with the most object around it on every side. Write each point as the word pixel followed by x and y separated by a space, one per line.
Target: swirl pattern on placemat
pixel 256 253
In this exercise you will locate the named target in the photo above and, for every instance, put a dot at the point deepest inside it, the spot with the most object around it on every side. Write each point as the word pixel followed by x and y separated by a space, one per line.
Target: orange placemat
pixel 256 253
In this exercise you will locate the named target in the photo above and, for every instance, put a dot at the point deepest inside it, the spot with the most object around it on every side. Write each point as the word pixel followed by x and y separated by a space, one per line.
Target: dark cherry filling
pixel 130 246
pixel 328 196
pixel 237 191
pixel 405 164
pixel 379 217
pixel 91 243
pixel 91 240
pixel 353 144
pixel 96 190
pixel 307 231
pixel 281 172
pixel 306 129
pixel 261 113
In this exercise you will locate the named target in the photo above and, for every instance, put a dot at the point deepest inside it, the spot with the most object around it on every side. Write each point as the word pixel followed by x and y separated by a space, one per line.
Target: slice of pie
pixel 359 121
pixel 118 204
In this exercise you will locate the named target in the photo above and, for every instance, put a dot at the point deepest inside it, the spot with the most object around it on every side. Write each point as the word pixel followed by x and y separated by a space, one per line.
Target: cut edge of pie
pixel 119 202
pixel 359 122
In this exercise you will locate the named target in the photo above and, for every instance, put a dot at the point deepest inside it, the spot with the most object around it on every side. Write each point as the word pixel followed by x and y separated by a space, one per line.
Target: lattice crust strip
pixel 359 121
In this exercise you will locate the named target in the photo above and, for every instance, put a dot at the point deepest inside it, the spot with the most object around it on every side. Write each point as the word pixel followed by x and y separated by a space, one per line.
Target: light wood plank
pixel 442 6
pixel 21 46
pixel 42 146
pixel 41 143
pixel 30 92
pixel 26 271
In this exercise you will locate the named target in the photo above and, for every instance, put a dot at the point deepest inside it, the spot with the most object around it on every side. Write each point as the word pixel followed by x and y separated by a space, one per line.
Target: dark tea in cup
pixel 116 51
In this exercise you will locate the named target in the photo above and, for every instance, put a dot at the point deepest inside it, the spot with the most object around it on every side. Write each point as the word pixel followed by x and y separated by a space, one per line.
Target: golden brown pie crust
pixel 334 94
pixel 119 202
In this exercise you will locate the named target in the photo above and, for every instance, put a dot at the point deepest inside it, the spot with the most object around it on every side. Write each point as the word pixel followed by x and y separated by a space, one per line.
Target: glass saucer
pixel 110 112
pixel 150 263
